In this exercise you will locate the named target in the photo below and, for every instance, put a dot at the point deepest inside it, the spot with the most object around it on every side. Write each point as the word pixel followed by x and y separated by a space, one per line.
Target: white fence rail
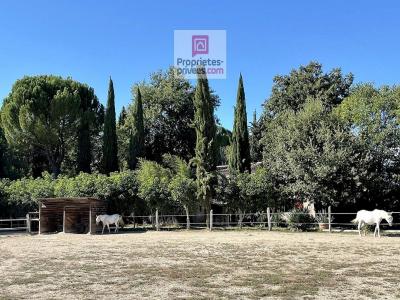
pixel 268 220
pixel 19 224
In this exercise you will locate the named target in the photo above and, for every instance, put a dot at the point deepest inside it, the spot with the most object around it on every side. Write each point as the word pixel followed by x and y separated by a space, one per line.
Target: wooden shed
pixel 69 215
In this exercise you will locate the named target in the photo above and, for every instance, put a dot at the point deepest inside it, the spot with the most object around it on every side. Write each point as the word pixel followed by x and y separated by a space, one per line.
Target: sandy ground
pixel 199 265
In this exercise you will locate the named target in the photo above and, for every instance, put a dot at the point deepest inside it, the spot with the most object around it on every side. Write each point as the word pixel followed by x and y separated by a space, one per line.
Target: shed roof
pixel 71 199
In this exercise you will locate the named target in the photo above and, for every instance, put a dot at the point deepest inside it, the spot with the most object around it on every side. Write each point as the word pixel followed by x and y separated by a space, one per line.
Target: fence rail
pixel 19 224
pixel 268 220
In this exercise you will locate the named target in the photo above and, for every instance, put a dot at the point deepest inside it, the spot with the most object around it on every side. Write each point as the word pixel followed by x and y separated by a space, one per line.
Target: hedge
pixel 21 196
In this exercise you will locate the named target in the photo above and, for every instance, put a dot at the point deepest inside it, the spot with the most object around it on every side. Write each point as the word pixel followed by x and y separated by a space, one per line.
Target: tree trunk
pixel 55 168
pixel 207 209
pixel 55 160
pixel 241 217
pixel 187 217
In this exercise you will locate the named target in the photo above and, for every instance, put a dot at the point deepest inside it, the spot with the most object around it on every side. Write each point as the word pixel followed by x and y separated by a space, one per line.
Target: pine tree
pixel 3 152
pixel 84 156
pixel 110 147
pixel 239 159
pixel 206 148
pixel 136 139
pixel 90 123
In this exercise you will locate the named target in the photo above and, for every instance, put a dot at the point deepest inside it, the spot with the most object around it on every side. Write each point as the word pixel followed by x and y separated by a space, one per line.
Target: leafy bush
pixel 299 219
pixel 322 217
pixel 153 182
pixel 21 195
pixel 119 190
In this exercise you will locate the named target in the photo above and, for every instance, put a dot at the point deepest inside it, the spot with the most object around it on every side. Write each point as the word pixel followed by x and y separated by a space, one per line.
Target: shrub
pixel 153 181
pixel 299 219
pixel 322 217
pixel 22 194
pixel 119 190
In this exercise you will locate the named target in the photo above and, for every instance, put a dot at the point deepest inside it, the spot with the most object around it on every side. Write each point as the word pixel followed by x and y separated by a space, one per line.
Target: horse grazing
pixel 109 219
pixel 371 218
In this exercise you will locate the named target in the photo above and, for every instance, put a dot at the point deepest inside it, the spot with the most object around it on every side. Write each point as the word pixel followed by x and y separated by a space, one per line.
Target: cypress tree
pixel 206 151
pixel 239 159
pixel 255 137
pixel 110 146
pixel 122 116
pixel 136 139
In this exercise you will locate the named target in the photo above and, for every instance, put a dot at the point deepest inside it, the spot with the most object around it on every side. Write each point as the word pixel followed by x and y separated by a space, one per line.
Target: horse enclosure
pixel 77 215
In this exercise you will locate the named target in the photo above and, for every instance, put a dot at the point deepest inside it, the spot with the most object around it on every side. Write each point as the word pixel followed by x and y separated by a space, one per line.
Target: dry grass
pixel 199 265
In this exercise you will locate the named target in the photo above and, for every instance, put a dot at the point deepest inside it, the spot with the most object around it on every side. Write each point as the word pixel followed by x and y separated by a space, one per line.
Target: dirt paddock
pixel 199 265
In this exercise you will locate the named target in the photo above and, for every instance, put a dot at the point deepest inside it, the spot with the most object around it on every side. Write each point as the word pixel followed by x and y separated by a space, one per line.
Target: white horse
pixel 371 218
pixel 109 219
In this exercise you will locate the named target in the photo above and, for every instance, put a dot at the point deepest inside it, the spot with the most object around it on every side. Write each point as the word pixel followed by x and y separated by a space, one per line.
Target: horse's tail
pixel 121 221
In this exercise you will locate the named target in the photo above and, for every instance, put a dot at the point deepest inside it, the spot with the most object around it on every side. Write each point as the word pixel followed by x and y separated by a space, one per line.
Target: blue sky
pixel 91 40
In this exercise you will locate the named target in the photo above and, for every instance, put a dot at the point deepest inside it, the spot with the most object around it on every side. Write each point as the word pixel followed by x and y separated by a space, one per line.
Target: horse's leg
pixel 376 228
pixel 116 226
pixel 365 229
pixel 108 225
pixel 379 230
pixel 102 232
pixel 359 228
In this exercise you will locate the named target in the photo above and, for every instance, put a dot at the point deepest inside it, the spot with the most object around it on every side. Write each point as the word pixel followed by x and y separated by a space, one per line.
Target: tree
pixel 373 116
pixel 153 182
pixel 4 166
pixel 239 160
pixel 122 116
pixel 291 91
pixel 223 140
pixel 168 113
pixel 182 186
pixel 110 146
pixel 12 163
pixel 206 148
pixel 42 112
pixel 123 135
pixel 136 139
pixel 255 137
pixel 309 155
pixel 90 123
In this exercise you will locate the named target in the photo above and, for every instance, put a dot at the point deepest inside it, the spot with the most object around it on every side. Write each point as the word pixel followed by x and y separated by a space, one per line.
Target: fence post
pixel 211 219
pixel 269 219
pixel 329 219
pixel 157 223
pixel 64 220
pixel 28 223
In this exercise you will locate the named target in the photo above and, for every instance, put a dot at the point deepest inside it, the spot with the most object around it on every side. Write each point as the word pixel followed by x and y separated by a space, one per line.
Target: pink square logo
pixel 199 44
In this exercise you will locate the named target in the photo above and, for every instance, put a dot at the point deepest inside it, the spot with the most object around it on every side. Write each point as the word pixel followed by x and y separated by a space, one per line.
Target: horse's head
pixel 98 220
pixel 389 219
